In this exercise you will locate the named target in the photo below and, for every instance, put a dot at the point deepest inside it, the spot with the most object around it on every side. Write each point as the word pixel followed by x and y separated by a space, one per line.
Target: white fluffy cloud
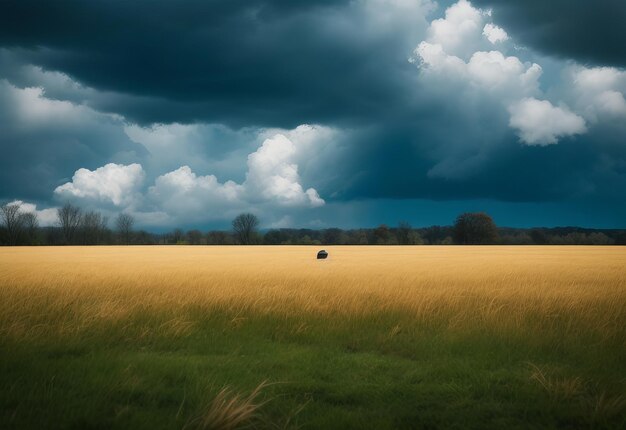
pixel 494 34
pixel 454 51
pixel 538 122
pixel 458 32
pixel 599 91
pixel 271 180
pixel 512 83
pixel 433 57
pixel 492 70
pixel 112 183
pixel 181 194
pixel 273 176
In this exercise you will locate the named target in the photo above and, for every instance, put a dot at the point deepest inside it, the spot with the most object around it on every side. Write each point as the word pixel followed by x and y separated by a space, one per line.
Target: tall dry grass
pixel 563 309
pixel 229 410
pixel 66 290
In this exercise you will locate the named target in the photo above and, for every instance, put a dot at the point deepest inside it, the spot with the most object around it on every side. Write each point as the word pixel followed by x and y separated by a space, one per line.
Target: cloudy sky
pixel 316 113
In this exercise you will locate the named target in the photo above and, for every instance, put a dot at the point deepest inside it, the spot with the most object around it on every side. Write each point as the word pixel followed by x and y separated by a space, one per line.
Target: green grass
pixel 380 371
pixel 372 338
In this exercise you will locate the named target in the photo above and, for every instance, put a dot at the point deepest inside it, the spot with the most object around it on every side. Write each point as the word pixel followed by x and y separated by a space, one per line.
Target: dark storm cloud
pixel 586 31
pixel 588 167
pixel 43 142
pixel 227 67
pixel 239 62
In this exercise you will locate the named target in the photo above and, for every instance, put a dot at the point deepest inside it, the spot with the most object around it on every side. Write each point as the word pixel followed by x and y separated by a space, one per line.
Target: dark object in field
pixel 322 255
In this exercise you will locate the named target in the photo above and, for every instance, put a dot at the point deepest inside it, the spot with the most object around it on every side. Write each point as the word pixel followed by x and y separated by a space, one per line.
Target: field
pixel 269 337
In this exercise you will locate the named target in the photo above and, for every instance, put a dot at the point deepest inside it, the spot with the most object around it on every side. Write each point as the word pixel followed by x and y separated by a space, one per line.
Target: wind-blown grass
pixel 229 411
pixel 373 337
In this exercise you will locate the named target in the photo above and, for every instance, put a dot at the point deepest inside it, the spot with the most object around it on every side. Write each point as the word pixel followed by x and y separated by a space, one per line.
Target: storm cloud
pixel 237 62
pixel 186 112
pixel 587 32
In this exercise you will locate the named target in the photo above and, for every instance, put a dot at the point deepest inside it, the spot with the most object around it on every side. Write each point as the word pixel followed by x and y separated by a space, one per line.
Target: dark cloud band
pixel 590 32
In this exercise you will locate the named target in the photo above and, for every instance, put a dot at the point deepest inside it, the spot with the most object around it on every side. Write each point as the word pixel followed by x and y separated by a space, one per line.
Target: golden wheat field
pixel 498 286
pixel 369 331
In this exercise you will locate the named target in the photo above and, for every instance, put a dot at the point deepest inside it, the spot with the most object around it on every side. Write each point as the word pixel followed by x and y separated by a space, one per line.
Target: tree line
pixel 74 227
pixel 78 227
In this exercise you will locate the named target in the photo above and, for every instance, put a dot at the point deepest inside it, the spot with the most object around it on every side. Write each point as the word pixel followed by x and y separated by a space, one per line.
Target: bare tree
pixel 93 227
pixel 69 220
pixel 13 221
pixel 194 237
pixel 30 226
pixel 245 228
pixel 124 224
pixel 177 236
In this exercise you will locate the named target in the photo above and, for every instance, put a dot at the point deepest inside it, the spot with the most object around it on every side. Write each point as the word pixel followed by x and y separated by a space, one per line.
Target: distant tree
pixel 124 226
pixel 382 235
pixel 415 238
pixel 177 237
pixel 572 238
pixel 436 234
pixel 194 237
pixel 403 231
pixel 331 236
pixel 598 238
pixel 69 220
pixel 219 238
pixel 475 229
pixel 93 228
pixel 12 221
pixel 30 227
pixel 142 237
pixel 308 240
pixel 581 238
pixel 273 237
pixel 520 238
pixel 360 238
pixel 539 237
pixel 245 228
pixel 620 238
pixel 407 235
pixel 446 241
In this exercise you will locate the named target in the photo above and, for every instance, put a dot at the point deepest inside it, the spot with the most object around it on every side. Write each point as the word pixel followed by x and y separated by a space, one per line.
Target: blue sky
pixel 316 113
